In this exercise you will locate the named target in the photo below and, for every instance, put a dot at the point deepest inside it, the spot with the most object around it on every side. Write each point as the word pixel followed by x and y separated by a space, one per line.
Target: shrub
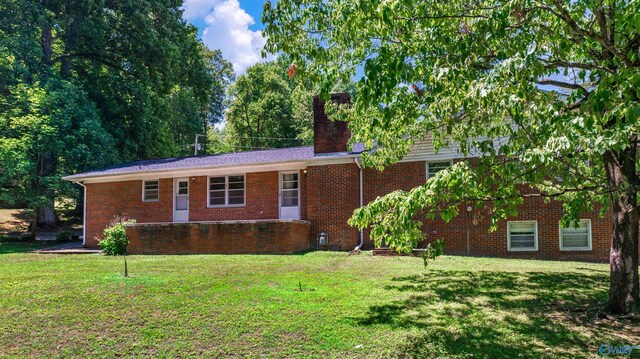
pixel 63 236
pixel 114 241
pixel 5 238
pixel 28 237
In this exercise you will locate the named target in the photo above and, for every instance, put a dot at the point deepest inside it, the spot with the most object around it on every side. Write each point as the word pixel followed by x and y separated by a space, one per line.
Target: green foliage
pixel 534 88
pixel 63 236
pixel 260 109
pixel 544 92
pixel 270 106
pixel 115 241
pixel 84 84
pixel 432 251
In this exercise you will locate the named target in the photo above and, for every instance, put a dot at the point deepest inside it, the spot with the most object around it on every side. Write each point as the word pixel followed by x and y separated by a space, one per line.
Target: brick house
pixel 280 200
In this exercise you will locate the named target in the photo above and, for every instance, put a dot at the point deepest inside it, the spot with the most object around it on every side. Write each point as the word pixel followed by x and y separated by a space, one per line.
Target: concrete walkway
pixel 68 248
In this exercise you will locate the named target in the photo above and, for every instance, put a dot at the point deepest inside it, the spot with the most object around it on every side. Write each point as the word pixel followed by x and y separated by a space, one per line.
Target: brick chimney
pixel 329 136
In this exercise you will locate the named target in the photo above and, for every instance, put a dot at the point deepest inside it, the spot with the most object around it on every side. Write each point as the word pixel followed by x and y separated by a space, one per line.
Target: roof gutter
pixel 84 212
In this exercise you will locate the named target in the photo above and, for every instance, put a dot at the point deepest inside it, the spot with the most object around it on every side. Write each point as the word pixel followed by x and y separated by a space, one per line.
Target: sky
pixel 232 26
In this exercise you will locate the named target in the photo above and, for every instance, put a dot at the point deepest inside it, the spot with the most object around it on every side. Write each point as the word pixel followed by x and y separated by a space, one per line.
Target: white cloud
pixel 227 29
pixel 197 9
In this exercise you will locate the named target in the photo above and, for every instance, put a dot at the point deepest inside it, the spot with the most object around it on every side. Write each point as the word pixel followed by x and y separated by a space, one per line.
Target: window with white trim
pixel 435 167
pixel 226 191
pixel 151 191
pixel 574 238
pixel 522 236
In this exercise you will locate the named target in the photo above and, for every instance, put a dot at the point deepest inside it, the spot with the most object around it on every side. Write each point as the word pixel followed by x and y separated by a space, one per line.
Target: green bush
pixel 63 236
pixel 28 237
pixel 4 238
pixel 114 240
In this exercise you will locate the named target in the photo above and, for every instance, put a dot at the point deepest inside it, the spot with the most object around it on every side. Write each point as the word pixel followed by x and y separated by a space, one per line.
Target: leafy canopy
pixel 540 90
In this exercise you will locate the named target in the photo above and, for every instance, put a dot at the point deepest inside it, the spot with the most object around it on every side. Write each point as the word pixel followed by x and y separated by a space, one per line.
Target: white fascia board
pixel 192 172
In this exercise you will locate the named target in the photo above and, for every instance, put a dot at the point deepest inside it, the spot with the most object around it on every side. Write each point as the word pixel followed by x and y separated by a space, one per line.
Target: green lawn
pixel 349 306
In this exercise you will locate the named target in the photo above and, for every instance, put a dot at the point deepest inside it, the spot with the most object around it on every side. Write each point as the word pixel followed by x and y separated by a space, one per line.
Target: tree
pixel 222 72
pixel 48 130
pixel 260 109
pixel 130 75
pixel 545 91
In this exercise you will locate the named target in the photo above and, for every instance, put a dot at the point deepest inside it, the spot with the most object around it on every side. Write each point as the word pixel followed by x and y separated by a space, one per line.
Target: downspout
pixel 361 204
pixel 84 214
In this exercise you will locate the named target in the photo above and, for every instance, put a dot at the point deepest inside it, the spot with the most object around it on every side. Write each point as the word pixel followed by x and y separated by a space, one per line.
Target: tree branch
pixel 578 65
pixel 562 84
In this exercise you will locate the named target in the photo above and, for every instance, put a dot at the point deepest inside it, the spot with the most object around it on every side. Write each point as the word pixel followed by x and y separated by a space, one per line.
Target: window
pixel 522 236
pixel 150 191
pixel 435 167
pixel 574 238
pixel 226 191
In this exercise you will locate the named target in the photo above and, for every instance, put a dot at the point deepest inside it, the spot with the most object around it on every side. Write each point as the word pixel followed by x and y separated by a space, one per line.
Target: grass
pixel 349 306
pixel 22 247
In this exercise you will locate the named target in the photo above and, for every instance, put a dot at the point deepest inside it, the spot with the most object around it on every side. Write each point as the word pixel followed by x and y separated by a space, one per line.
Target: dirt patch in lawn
pixel 13 220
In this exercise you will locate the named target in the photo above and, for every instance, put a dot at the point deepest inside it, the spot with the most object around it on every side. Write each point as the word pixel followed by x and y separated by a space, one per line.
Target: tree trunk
pixel 70 47
pixel 624 283
pixel 47 217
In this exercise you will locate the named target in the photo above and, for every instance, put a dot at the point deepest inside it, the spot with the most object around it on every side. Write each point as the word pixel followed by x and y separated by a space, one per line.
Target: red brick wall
pixel 400 176
pixel 329 136
pixel 278 237
pixel 329 194
pixel 261 199
pixel 407 175
pixel 485 243
pixel 332 195
pixel 105 200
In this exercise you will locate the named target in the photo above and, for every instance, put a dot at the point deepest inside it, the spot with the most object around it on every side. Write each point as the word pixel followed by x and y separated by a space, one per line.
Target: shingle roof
pixel 225 159
pixel 292 154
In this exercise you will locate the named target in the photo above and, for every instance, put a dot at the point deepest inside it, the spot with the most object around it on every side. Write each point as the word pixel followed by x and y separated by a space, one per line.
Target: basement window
pixel 522 236
pixel 574 238
pixel 435 167
pixel 226 191
pixel 150 191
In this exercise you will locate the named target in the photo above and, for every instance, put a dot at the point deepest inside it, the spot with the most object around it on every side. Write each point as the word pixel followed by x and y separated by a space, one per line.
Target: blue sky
pixel 232 26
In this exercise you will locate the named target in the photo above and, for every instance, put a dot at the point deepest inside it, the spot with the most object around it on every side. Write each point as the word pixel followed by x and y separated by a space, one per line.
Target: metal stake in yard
pixel 126 269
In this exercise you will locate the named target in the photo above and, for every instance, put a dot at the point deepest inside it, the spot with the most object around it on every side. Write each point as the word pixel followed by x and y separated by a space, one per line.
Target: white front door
pixel 289 195
pixel 181 200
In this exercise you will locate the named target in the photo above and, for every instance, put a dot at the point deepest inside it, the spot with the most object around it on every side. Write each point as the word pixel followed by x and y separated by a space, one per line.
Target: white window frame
pixel 589 235
pixel 144 186
pixel 226 192
pixel 430 162
pixel 535 242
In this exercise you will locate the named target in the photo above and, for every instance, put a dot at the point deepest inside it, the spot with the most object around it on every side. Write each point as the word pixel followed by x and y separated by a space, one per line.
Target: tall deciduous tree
pixel 545 91
pixel 260 109
pixel 110 80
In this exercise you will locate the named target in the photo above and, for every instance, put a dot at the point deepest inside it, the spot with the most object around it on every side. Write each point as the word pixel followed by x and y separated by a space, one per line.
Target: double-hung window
pixel 522 236
pixel 574 238
pixel 435 167
pixel 226 191
pixel 150 191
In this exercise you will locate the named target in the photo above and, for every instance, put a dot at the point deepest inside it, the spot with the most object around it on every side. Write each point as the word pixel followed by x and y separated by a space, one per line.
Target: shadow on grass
pixel 22 247
pixel 499 314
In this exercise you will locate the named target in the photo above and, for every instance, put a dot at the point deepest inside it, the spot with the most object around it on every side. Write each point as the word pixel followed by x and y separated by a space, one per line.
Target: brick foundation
pixel 230 237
